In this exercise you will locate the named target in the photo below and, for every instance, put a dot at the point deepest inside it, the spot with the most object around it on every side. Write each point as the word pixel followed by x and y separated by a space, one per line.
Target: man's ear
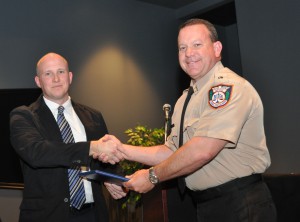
pixel 37 81
pixel 70 77
pixel 218 48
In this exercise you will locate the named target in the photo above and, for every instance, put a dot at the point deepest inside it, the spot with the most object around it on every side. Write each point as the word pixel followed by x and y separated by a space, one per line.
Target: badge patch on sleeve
pixel 219 95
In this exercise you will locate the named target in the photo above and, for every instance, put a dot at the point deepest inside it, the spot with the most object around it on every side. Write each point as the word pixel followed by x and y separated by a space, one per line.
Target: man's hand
pixel 117 192
pixel 139 182
pixel 110 138
pixel 107 149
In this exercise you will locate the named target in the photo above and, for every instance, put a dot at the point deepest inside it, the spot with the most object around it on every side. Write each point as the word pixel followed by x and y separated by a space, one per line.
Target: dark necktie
pixel 77 193
pixel 181 180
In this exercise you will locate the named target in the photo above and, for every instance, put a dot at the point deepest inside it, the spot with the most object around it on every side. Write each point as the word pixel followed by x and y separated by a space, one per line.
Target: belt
pixel 218 191
pixel 83 207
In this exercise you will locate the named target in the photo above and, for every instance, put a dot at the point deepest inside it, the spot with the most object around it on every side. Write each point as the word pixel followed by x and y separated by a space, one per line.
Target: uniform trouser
pixel 248 203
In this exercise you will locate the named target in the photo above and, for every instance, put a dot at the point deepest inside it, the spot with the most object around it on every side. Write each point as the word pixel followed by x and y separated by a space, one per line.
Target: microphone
pixel 167 109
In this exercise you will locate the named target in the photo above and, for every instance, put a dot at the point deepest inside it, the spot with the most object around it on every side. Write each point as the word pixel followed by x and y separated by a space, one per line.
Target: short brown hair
pixel 196 21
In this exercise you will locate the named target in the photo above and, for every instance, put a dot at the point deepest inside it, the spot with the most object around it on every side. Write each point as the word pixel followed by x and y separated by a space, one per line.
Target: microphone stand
pixel 167 128
pixel 164 191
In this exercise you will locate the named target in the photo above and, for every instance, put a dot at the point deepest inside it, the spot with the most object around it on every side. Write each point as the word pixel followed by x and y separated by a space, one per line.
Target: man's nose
pixel 55 77
pixel 189 51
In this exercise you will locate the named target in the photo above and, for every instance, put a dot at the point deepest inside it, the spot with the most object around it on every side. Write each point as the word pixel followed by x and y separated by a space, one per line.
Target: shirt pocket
pixel 191 126
pixel 172 142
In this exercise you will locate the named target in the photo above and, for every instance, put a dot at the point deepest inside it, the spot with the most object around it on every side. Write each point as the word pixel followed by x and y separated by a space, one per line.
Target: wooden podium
pixel 165 204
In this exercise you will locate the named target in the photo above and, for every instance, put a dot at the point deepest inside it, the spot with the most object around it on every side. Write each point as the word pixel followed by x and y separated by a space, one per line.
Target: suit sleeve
pixel 33 145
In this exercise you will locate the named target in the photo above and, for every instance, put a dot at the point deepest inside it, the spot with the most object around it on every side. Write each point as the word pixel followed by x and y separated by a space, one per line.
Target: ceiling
pixel 174 4
pixel 223 15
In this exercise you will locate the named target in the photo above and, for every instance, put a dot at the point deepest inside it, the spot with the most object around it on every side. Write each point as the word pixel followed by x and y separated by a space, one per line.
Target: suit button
pixel 77 161
pixel 66 200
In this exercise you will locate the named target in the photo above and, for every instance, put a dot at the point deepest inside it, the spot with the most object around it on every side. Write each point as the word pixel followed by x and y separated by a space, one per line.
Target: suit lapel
pixel 82 115
pixel 47 122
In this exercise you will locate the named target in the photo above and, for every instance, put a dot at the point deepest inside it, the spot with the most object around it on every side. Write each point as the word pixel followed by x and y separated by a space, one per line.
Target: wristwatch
pixel 152 177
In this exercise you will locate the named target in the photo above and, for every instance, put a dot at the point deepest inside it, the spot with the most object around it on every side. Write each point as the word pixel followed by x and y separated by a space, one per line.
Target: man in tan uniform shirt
pixel 237 119
pixel 224 148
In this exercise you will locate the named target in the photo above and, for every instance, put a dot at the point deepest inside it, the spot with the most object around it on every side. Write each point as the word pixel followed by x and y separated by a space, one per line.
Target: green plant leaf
pixel 140 136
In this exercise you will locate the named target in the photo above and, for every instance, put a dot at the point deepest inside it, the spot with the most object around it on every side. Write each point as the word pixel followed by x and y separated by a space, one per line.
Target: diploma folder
pixel 102 176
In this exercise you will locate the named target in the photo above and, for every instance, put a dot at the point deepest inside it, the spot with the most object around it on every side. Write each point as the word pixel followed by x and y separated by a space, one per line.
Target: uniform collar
pixel 198 84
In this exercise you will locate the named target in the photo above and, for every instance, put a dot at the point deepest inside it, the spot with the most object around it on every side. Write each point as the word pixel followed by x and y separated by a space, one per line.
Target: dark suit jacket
pixel 45 159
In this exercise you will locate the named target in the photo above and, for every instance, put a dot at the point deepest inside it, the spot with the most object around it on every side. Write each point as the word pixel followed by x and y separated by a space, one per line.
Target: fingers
pixel 108 149
pixel 117 192
pixel 139 181
pixel 106 152
pixel 119 155
pixel 112 153
pixel 108 137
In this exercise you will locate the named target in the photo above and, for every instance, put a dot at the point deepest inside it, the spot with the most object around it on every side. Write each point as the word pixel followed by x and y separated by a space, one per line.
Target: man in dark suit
pixel 46 157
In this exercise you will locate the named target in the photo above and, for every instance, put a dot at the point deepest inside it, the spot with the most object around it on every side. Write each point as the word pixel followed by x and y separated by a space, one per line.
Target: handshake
pixel 108 149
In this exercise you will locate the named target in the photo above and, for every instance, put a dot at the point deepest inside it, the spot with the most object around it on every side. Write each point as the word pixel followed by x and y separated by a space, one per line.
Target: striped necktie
pixel 77 193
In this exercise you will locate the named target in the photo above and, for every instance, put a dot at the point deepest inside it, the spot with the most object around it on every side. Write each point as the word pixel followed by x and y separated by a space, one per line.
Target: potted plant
pixel 139 136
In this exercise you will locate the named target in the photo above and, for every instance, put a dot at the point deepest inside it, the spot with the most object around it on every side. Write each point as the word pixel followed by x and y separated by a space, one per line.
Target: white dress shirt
pixel 78 134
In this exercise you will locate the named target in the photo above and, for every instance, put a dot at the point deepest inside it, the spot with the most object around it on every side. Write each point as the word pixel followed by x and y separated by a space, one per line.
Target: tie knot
pixel 61 109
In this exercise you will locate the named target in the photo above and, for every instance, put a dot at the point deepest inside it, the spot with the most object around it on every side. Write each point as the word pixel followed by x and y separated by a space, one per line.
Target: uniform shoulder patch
pixel 219 95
